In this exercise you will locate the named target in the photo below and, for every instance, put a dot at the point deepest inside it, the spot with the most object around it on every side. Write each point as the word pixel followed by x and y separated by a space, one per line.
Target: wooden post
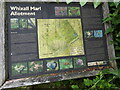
pixel 2 44
pixel 111 51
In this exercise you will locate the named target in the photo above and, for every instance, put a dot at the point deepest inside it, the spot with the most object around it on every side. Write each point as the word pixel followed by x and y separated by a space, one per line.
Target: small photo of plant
pixel 52 65
pixel 35 66
pixel 23 22
pixel 79 62
pixel 31 23
pixel 74 11
pixel 98 33
pixel 88 34
pixel 66 63
pixel 60 11
pixel 14 23
pixel 19 68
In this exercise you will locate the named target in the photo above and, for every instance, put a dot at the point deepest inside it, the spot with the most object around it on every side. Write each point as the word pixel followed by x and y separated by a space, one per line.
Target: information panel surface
pixel 53 38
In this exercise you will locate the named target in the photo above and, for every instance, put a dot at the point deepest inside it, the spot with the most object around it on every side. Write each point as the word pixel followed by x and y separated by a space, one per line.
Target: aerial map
pixel 60 37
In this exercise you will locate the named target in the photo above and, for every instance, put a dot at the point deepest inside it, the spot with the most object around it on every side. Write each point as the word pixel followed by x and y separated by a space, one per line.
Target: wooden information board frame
pixel 44 78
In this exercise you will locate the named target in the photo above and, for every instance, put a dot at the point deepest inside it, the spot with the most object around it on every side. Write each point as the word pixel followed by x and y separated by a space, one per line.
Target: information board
pixel 45 38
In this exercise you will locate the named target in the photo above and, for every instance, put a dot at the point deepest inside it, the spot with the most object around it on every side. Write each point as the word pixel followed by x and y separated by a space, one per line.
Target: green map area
pixel 60 37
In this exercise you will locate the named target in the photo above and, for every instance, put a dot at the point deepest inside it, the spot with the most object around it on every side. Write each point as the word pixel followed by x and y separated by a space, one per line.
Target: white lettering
pixel 22 13
pixel 19 8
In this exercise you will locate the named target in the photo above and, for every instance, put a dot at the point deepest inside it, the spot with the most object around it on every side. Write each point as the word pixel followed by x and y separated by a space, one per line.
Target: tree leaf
pixel 115 72
pixel 116 22
pixel 118 40
pixel 118 35
pixel 109 30
pixel 68 1
pixel 116 4
pixel 57 1
pixel 96 79
pixel 74 86
pixel 115 58
pixel 105 71
pixel 88 82
pixel 117 48
pixel 107 19
pixel 83 2
pixel 96 3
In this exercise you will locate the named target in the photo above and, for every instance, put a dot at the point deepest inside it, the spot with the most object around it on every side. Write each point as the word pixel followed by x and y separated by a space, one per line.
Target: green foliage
pixel 96 3
pixel 101 82
pixel 116 73
pixel 88 82
pixel 68 1
pixel 83 2
pixel 109 30
pixel 74 87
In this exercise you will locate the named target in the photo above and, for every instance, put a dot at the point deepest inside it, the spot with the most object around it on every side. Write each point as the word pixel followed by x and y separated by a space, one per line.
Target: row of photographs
pixel 50 65
pixel 22 23
pixel 93 34
pixel 67 11
pixel 33 67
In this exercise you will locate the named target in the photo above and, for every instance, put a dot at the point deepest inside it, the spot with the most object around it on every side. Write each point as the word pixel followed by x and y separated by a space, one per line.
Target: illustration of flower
pixel 32 63
pixel 60 11
pixel 88 34
pixel 74 11
pixel 52 65
pixel 79 62
pixel 98 33
pixel 35 66
pixel 19 68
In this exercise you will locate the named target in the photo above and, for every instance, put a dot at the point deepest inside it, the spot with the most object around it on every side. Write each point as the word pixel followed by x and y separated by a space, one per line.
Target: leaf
pixel 57 1
pixel 115 58
pixel 88 82
pixel 111 4
pixel 116 4
pixel 118 53
pixel 104 84
pixel 115 72
pixel 107 19
pixel 96 79
pixel 118 35
pixel 68 1
pixel 109 30
pixel 105 71
pixel 83 2
pixel 96 3
pixel 118 40
pixel 116 22
pixel 117 48
pixel 74 86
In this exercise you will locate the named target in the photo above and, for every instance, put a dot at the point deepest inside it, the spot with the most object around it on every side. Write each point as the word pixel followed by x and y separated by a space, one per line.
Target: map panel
pixel 60 37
